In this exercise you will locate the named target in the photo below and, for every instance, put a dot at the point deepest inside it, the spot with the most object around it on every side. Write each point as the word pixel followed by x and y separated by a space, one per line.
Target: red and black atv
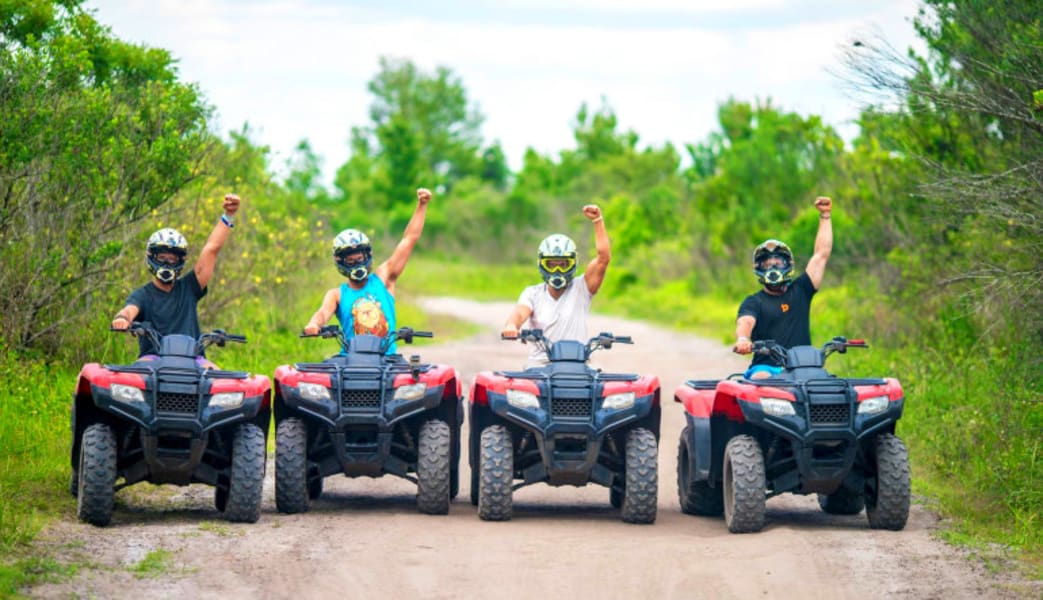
pixel 803 431
pixel 367 413
pixel 169 420
pixel 565 424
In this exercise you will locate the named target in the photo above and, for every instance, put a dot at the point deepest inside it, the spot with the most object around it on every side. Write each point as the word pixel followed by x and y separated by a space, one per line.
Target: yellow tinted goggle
pixel 557 264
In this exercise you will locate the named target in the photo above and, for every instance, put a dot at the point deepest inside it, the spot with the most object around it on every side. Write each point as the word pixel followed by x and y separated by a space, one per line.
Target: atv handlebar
pixel 405 334
pixel 602 340
pixel 217 336
pixel 777 351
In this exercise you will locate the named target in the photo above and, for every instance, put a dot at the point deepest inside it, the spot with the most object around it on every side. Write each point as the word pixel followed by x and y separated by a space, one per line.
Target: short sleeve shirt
pixel 172 312
pixel 561 319
pixel 784 319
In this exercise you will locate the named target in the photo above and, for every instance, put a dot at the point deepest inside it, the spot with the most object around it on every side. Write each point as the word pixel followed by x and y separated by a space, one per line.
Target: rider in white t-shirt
pixel 559 306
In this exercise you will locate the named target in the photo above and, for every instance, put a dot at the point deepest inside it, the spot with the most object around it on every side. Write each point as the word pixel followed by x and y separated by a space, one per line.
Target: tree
pixel 972 119
pixel 97 134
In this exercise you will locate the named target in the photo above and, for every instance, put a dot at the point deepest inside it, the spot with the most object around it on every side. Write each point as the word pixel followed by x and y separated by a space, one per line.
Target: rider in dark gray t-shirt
pixel 168 302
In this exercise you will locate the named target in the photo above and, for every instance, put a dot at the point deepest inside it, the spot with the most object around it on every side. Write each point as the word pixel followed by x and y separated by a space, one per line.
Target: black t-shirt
pixel 784 318
pixel 168 312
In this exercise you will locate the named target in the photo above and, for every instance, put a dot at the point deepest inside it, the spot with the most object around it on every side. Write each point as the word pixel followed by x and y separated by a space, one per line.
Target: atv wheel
pixel 97 475
pixel 697 498
pixel 744 493
pixel 291 466
pixel 842 502
pixel 496 474
pixel 642 477
pixel 314 487
pixel 433 473
pixel 887 503
pixel 246 481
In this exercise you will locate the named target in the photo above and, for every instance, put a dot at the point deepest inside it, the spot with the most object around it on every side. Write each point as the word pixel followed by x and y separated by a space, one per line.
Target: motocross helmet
pixel 166 241
pixel 348 242
pixel 780 272
pixel 557 260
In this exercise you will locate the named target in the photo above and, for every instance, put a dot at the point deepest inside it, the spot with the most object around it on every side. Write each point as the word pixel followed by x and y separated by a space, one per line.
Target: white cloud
pixel 298 69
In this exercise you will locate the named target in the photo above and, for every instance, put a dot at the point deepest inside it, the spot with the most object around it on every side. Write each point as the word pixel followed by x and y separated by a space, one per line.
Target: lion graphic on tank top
pixel 368 316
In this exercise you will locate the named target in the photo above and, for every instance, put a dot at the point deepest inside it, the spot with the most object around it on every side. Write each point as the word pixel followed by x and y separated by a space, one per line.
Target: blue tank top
pixel 368 310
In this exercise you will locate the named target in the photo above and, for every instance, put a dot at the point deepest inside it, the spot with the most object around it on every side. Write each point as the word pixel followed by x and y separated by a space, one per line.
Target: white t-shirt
pixel 561 319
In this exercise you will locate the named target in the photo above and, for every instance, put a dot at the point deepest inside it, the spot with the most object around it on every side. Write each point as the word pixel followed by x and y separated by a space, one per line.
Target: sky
pixel 296 69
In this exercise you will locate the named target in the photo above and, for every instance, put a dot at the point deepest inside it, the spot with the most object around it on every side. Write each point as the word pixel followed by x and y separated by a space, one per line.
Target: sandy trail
pixel 364 538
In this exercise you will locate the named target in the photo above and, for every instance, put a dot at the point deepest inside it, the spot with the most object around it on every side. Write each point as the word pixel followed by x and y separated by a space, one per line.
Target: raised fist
pixel 592 211
pixel 423 195
pixel 231 204
pixel 823 204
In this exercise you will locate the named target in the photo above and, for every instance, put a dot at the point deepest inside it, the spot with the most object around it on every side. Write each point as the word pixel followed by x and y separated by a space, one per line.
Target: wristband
pixel 121 317
pixel 597 220
pixel 743 338
pixel 824 216
pixel 227 220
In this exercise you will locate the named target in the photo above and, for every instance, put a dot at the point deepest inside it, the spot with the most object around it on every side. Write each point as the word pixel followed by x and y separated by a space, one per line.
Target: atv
pixel 169 420
pixel 565 424
pixel 367 413
pixel 803 431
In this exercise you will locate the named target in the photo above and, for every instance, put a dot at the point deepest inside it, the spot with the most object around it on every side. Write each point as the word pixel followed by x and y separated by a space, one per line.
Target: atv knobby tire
pixel 291 466
pixel 496 474
pixel 246 481
pixel 744 486
pixel 97 475
pixel 640 496
pixel 842 502
pixel 697 498
pixel 887 504
pixel 432 468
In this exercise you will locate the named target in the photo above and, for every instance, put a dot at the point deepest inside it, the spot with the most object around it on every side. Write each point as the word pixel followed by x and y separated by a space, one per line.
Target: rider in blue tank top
pixel 369 310
pixel 365 303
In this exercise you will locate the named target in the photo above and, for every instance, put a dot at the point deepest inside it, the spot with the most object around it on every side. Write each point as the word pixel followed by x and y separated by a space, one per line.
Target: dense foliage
pixel 938 227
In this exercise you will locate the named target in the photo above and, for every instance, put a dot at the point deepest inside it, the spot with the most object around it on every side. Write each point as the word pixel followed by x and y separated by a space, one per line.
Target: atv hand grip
pixel 423 334
pixel 624 339
pixel 235 338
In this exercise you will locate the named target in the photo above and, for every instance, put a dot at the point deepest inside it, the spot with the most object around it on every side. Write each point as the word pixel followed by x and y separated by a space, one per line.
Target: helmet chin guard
pixel 558 282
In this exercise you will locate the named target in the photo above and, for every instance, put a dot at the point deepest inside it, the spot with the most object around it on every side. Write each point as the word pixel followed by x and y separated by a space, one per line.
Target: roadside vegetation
pixel 937 260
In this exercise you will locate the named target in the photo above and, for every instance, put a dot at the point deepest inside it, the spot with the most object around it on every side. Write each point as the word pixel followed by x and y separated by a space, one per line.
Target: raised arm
pixel 823 241
pixel 389 270
pixel 595 273
pixel 325 312
pixel 204 268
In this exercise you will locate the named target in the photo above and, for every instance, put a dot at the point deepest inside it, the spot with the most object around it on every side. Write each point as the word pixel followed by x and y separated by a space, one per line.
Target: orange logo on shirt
pixel 785 308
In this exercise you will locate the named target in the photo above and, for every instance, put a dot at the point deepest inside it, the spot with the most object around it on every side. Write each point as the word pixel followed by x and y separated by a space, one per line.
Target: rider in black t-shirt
pixel 169 302
pixel 780 310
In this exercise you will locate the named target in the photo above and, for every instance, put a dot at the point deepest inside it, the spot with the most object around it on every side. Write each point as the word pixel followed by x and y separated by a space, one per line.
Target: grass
pixel 155 563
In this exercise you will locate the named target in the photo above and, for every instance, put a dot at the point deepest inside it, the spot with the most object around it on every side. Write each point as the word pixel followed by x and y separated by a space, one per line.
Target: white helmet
pixel 557 260
pixel 166 241
pixel 348 242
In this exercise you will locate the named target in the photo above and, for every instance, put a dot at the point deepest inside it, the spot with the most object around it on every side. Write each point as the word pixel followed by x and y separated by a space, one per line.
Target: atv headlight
pixel 874 405
pixel 227 400
pixel 777 407
pixel 618 401
pixel 313 391
pixel 126 393
pixel 520 399
pixel 413 391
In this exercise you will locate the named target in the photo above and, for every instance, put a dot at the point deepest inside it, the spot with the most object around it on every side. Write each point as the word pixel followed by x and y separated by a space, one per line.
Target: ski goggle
pixel 557 264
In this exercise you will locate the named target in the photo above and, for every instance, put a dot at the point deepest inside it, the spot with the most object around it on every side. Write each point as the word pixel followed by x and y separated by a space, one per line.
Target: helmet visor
pixel 557 264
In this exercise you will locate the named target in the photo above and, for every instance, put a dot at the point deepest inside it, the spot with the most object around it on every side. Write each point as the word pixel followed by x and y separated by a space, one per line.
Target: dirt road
pixel 364 538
